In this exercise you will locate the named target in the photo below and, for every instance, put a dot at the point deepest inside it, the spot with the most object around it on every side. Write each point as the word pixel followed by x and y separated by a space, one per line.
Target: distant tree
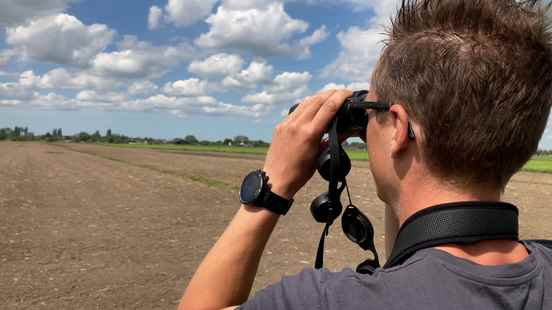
pixel 109 136
pixel 60 133
pixel 178 141
pixel 5 133
pixel 259 143
pixel 83 137
pixel 56 134
pixel 228 142
pixel 190 139
pixel 96 137
pixel 239 140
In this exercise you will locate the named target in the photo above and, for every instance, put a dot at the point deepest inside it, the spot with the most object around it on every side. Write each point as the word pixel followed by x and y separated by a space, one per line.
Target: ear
pixel 399 119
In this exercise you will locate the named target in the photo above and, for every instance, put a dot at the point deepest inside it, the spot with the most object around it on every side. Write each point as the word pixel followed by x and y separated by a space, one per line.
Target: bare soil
pixel 96 227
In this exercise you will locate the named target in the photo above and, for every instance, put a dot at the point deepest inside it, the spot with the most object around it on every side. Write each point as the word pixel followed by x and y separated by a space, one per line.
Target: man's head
pixel 475 76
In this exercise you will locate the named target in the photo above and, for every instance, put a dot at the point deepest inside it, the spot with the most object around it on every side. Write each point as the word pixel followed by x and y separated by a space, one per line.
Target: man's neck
pixel 414 198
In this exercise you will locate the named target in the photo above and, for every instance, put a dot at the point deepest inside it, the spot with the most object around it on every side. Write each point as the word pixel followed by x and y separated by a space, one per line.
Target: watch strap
pixel 275 203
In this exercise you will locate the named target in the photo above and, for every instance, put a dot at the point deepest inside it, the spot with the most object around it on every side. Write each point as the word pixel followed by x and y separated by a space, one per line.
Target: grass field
pixel 537 164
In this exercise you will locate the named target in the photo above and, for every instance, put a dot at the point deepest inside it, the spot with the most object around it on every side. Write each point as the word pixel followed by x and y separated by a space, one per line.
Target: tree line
pixel 23 134
pixel 544 153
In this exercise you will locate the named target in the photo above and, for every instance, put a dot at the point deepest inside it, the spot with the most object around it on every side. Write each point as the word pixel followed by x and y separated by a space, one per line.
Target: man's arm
pixel 226 275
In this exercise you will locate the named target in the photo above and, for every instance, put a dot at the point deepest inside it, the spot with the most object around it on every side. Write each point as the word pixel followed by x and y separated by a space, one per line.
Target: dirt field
pixel 93 227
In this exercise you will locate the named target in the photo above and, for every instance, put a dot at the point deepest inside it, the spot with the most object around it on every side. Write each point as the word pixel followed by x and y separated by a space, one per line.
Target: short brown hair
pixel 477 76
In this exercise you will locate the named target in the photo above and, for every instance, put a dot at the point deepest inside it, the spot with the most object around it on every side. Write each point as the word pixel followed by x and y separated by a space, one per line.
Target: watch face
pixel 251 187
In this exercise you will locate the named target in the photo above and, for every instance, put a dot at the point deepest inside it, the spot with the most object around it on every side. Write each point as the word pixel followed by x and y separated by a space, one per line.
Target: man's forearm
pixel 226 275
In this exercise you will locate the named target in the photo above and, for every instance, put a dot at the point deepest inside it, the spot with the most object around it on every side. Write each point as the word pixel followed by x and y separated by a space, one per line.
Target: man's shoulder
pixel 546 244
pixel 430 279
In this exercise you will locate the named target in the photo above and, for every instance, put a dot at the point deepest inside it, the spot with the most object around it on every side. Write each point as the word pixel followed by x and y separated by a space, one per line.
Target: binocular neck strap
pixel 334 191
pixel 462 222
pixel 334 162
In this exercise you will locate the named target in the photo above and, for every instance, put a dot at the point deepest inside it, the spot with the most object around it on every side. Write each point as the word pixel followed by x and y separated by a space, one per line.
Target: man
pixel 474 79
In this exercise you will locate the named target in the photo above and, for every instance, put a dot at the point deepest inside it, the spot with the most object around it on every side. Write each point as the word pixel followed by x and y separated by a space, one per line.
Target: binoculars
pixel 351 117
pixel 334 165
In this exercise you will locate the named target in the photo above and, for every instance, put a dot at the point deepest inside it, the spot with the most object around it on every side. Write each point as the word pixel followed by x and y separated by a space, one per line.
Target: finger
pixel 328 110
pixel 302 105
pixel 314 105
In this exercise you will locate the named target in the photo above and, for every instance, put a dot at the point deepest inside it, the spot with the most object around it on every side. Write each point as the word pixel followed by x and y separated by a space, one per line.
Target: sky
pixel 170 68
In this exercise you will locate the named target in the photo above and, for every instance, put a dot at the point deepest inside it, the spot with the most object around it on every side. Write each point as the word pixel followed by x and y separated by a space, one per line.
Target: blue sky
pixel 169 68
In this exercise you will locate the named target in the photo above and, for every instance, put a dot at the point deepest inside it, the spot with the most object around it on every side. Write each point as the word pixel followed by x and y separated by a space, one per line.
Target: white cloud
pixel 57 102
pixel 260 27
pixel 217 65
pixel 54 101
pixel 188 12
pixel 185 106
pixel 247 4
pixel 139 59
pixel 93 96
pixel 154 17
pixel 61 78
pixel 352 86
pixel 257 72
pixel 15 12
pixel 288 81
pixel 142 87
pixel 286 88
pixel 9 103
pixel 59 39
pixel 361 47
pixel 186 88
pixel 15 91
pixel 28 79
pixel 360 52
pixel 224 109
pixel 316 37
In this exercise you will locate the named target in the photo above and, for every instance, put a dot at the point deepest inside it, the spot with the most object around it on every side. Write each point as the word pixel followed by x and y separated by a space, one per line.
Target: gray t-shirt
pixel 430 279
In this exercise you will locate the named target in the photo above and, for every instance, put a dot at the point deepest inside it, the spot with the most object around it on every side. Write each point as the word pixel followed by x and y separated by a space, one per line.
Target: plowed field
pixel 96 227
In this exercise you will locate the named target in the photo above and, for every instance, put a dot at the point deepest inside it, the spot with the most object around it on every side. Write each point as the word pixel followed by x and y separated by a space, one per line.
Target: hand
pixel 291 158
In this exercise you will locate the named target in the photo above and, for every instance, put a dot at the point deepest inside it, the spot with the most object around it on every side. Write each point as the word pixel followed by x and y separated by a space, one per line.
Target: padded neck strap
pixel 463 222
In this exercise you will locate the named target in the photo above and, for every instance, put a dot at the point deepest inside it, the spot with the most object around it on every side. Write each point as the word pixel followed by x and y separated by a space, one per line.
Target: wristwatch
pixel 255 191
